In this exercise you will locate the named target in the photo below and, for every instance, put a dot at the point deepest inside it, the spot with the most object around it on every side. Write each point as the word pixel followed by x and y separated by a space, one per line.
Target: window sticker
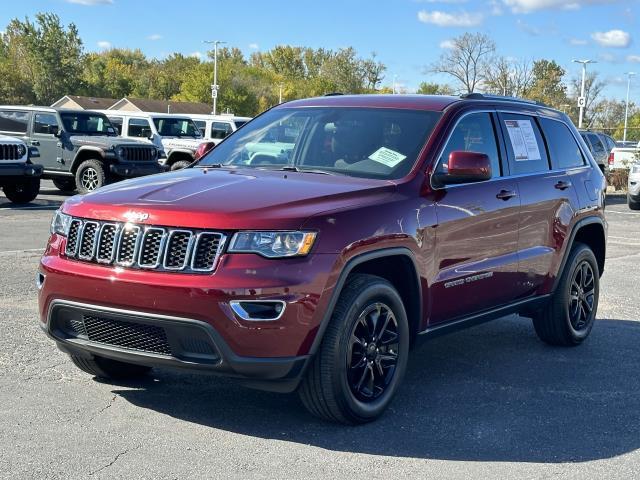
pixel 523 140
pixel 387 157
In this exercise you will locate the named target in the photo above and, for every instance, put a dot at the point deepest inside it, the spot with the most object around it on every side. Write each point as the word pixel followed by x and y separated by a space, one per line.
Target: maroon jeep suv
pixel 312 248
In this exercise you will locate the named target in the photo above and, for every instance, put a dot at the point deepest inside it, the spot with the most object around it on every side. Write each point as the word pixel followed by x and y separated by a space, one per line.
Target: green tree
pixel 430 88
pixel 114 73
pixel 547 85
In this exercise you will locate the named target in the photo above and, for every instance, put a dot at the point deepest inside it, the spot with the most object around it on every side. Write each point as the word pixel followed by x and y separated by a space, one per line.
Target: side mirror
pixel 34 152
pixel 53 130
pixel 465 167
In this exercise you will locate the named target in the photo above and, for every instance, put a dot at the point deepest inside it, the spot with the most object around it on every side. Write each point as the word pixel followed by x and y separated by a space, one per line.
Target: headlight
pixel 120 152
pixel 273 244
pixel 22 150
pixel 635 168
pixel 60 223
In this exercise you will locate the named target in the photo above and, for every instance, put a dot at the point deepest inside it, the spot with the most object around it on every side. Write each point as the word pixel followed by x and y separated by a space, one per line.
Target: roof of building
pixel 88 103
pixel 163 106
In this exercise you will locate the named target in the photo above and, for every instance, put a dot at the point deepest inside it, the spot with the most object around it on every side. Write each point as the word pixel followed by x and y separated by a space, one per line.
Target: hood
pixel 7 139
pixel 227 199
pixel 103 141
pixel 185 143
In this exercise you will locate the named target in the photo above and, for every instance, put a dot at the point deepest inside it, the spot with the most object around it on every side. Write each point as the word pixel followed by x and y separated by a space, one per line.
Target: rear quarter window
pixel 14 121
pixel 563 148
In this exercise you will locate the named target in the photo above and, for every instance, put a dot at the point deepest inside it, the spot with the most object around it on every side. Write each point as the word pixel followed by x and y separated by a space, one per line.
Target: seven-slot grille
pixel 10 152
pixel 145 247
pixel 138 154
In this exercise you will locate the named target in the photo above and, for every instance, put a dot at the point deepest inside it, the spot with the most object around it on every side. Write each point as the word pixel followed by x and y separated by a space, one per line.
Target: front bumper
pixel 13 170
pixel 130 170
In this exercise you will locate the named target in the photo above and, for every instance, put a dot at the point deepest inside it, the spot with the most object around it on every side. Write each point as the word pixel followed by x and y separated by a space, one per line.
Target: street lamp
pixel 626 108
pixel 395 77
pixel 214 87
pixel 582 101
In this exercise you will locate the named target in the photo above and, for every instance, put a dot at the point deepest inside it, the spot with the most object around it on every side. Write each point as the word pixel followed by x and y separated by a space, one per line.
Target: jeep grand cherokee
pixel 310 249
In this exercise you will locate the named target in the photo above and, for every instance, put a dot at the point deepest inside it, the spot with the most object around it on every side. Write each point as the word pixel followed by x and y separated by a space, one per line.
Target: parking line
pixel 621 213
pixel 11 252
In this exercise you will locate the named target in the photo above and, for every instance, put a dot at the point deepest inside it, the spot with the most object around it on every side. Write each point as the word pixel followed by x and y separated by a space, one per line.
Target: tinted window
pixel 596 144
pixel 87 123
pixel 563 148
pixel 45 123
pixel 609 143
pixel 117 124
pixel 474 133
pixel 176 127
pixel 202 126
pixel 364 142
pixel 220 129
pixel 139 127
pixel 12 121
pixel 525 146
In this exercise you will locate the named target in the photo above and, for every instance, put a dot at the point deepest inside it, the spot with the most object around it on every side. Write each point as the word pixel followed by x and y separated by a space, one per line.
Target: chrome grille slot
pixel 88 240
pixel 208 246
pixel 72 238
pixel 144 247
pixel 153 241
pixel 177 253
pixel 128 245
pixel 107 239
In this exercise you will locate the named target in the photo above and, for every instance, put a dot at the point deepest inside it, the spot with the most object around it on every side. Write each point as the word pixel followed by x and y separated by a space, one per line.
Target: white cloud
pixel 496 8
pixel 608 57
pixel 530 29
pixel 577 42
pixel 253 46
pixel 154 37
pixel 91 3
pixel 612 38
pixel 444 19
pixel 103 44
pixel 527 6
pixel 633 58
pixel 198 55
pixel 447 44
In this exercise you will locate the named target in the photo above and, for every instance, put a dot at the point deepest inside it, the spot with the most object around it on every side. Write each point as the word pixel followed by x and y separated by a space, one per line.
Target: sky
pixel 407 35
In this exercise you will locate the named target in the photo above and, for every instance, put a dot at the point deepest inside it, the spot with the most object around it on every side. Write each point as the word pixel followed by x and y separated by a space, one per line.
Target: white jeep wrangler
pixel 19 178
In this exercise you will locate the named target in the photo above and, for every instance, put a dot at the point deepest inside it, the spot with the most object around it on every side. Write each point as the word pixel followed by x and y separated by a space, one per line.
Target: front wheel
pixel 180 164
pixel 569 317
pixel 23 191
pixel 633 205
pixel 90 176
pixel 65 184
pixel 363 356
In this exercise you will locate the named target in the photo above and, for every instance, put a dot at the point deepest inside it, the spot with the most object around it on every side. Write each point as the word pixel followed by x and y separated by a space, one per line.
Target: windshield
pixel 87 124
pixel 176 127
pixel 362 142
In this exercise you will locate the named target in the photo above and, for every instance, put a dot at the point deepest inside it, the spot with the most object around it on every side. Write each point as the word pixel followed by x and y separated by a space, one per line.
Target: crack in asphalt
pixel 115 459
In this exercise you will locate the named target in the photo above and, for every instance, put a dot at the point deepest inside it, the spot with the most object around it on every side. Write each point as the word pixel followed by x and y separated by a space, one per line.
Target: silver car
pixel 633 195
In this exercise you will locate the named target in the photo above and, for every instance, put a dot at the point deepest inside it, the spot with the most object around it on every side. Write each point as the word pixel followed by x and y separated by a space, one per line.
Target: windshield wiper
pixel 293 168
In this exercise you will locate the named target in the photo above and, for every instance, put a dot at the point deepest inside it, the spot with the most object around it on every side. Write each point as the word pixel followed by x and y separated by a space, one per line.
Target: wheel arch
pixel 86 153
pixel 176 155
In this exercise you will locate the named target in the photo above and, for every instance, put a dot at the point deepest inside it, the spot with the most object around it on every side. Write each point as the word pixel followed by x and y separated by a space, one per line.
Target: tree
pixel 609 114
pixel 592 89
pixel 508 77
pixel 547 85
pixel 467 60
pixel 44 58
pixel 428 88
pixel 115 73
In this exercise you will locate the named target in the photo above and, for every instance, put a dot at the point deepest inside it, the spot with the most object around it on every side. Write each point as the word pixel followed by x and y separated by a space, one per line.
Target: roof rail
pixel 333 94
pixel 484 96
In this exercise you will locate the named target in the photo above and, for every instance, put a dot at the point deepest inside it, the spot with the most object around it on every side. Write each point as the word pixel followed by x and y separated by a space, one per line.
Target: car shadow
pixel 617 198
pixel 491 393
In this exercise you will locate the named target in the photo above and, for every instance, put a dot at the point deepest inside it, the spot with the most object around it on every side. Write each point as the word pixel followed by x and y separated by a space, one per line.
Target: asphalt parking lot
pixel 488 402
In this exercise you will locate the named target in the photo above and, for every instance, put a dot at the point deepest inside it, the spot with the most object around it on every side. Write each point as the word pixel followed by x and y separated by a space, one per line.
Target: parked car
pixel 633 191
pixel 627 144
pixel 598 149
pixel 215 128
pixel 176 134
pixel 19 177
pixel 311 251
pixel 79 148
pixel 623 157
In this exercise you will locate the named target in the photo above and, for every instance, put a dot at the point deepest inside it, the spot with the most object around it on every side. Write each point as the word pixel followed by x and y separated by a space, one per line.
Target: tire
pixel 633 205
pixel 562 321
pixel 329 389
pixel 65 184
pixel 109 369
pixel 23 191
pixel 90 176
pixel 180 164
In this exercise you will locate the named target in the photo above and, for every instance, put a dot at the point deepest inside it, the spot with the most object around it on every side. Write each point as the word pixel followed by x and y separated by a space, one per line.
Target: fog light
pixel 258 310
pixel 40 278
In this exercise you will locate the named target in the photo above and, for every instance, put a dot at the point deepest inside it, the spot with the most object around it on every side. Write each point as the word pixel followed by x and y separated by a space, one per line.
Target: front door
pixel 475 256
pixel 45 124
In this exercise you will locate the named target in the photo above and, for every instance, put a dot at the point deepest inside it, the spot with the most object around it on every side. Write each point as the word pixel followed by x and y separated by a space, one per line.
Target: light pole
pixel 626 108
pixel 582 101
pixel 394 83
pixel 280 96
pixel 214 87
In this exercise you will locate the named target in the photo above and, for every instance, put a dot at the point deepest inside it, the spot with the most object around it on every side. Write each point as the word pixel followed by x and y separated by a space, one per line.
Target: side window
pixel 609 143
pixel 45 123
pixel 220 130
pixel 525 146
pixel 598 147
pixel 202 126
pixel 117 124
pixel 13 121
pixel 139 127
pixel 474 133
pixel 563 148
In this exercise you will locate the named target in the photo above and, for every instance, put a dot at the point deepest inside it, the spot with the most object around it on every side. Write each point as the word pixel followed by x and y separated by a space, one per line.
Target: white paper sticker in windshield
pixel 523 140
pixel 387 157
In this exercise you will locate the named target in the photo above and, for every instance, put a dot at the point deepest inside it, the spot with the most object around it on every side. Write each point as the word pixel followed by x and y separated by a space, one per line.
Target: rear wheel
pixel 65 184
pixel 570 315
pixel 363 356
pixel 109 369
pixel 23 191
pixel 633 205
pixel 180 164
pixel 90 176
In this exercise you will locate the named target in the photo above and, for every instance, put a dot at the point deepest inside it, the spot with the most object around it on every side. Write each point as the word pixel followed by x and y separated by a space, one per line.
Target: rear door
pixel 547 195
pixel 44 125
pixel 477 229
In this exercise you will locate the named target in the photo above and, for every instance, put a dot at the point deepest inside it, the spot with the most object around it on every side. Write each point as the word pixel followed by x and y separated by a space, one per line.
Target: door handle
pixel 506 194
pixel 561 185
pixel 35 143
